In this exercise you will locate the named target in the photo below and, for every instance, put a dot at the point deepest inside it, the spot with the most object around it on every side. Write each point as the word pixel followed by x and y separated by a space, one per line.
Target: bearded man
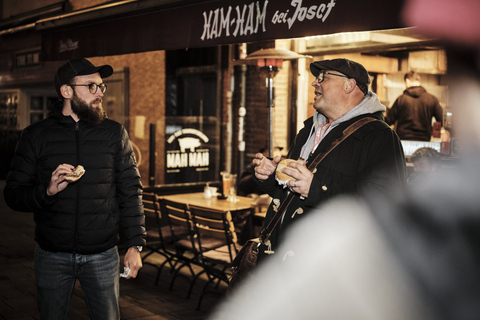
pixel 77 223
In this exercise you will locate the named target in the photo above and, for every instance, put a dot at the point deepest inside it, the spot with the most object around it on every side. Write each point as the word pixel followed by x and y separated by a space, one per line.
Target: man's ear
pixel 350 85
pixel 66 91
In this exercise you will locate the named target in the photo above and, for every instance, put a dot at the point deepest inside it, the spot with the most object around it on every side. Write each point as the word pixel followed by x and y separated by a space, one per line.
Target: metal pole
pixel 242 111
pixel 151 166
pixel 270 106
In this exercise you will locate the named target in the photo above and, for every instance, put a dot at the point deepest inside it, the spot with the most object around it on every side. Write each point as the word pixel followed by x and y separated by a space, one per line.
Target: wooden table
pixel 241 210
pixel 197 199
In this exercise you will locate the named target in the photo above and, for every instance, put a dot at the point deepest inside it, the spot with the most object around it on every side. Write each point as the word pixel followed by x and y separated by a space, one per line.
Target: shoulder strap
pixel 268 230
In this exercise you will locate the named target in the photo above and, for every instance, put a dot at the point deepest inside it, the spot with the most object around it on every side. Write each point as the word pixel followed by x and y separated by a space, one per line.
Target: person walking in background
pixel 370 159
pixel 77 222
pixel 413 111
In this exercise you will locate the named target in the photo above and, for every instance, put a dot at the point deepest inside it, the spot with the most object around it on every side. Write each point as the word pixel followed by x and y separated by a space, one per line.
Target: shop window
pixel 9 133
pixel 9 109
pixel 21 107
pixel 192 128
pixel 39 105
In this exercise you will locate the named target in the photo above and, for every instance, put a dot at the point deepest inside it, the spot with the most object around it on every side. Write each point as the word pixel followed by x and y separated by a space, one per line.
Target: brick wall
pixel 256 118
pixel 146 85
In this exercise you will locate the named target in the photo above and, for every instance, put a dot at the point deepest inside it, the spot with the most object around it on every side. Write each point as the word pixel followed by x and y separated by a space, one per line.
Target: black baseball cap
pixel 78 67
pixel 349 68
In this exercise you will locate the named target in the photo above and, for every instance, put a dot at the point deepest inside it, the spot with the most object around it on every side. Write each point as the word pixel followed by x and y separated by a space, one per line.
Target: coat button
pixel 324 188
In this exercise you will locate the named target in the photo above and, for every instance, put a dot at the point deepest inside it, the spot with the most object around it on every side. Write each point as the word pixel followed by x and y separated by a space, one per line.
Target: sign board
pixel 189 157
pixel 205 24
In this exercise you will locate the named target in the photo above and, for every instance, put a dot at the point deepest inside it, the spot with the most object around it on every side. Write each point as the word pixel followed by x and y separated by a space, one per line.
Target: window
pixel 192 124
pixel 39 106
pixel 9 100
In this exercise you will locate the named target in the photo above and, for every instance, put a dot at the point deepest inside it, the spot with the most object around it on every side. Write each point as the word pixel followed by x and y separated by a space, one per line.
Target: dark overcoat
pixel 370 160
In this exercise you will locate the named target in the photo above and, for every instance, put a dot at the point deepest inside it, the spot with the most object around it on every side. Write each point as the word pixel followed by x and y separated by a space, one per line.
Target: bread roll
pixel 282 164
pixel 76 174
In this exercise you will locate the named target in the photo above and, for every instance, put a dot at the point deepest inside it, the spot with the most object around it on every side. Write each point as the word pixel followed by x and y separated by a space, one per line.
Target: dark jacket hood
pixel 415 91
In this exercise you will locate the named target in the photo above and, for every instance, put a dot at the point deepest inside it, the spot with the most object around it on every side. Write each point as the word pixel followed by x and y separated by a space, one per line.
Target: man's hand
pixel 57 181
pixel 133 261
pixel 303 178
pixel 264 167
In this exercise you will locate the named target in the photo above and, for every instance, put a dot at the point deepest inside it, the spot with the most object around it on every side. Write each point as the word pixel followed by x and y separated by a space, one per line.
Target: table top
pixel 197 199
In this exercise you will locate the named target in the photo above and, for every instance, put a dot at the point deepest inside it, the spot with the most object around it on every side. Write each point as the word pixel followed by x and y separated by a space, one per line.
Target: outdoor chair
pixel 159 234
pixel 214 226
pixel 184 240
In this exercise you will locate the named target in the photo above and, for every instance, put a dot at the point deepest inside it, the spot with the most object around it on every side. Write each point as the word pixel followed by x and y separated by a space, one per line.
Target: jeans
pixel 57 272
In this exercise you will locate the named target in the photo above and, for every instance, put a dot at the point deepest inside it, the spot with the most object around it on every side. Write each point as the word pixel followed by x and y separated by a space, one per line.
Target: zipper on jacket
pixel 77 145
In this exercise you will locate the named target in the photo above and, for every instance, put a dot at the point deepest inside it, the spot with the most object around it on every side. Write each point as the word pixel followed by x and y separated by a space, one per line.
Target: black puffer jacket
pixel 86 216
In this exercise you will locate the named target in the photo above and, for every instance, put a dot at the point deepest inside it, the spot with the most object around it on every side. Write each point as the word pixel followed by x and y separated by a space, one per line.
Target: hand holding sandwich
pixel 295 175
pixel 62 176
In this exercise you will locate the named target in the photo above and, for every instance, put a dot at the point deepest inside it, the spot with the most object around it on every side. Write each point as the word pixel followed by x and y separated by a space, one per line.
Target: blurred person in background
pixel 413 111
pixel 408 254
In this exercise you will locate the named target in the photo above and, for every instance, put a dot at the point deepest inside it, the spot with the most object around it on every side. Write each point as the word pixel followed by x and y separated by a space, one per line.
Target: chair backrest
pixel 150 208
pixel 210 223
pixel 178 217
pixel 153 216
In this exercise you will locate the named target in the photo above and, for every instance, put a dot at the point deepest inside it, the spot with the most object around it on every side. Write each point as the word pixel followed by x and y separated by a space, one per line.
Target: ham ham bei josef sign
pixel 210 23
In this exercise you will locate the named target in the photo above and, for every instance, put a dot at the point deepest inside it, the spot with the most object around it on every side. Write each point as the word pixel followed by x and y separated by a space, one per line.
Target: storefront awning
pixel 208 24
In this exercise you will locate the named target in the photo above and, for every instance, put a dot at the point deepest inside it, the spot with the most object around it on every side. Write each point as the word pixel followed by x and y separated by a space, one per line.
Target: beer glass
pixel 229 181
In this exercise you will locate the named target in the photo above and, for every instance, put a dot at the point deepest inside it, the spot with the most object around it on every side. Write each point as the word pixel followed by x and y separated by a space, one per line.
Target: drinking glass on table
pixel 229 181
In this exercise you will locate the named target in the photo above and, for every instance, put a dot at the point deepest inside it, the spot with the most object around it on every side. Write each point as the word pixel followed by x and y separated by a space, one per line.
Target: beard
pixel 86 112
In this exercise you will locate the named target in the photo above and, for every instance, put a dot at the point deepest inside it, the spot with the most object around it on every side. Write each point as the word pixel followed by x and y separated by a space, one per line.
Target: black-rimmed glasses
pixel 92 87
pixel 321 76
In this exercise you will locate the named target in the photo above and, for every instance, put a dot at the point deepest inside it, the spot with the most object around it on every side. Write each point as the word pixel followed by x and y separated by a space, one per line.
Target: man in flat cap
pixel 369 160
pixel 78 220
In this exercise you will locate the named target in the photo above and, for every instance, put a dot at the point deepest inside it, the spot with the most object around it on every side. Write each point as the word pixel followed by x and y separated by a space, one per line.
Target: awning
pixel 208 24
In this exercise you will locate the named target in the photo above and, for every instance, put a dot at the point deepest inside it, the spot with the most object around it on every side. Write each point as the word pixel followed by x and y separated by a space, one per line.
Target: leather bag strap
pixel 268 230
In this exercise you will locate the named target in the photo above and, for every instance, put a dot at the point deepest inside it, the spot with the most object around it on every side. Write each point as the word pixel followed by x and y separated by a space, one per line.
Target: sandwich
pixel 76 174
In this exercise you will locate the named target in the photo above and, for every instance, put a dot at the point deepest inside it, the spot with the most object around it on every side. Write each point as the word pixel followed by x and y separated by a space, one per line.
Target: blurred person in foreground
pixel 77 223
pixel 413 111
pixel 405 255
pixel 426 162
pixel 370 159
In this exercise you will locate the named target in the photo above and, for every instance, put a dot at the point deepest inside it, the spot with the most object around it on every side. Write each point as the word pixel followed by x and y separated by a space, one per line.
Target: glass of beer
pixel 229 182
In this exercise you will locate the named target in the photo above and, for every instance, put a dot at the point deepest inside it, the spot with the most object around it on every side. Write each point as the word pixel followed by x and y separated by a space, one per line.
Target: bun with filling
pixel 76 174
pixel 282 164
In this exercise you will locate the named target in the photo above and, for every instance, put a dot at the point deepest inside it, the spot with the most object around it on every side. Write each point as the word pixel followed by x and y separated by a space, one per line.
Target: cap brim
pixel 317 66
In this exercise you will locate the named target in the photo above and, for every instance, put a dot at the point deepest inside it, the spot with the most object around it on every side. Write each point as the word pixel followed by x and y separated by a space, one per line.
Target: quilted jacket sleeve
pixel 129 192
pixel 22 191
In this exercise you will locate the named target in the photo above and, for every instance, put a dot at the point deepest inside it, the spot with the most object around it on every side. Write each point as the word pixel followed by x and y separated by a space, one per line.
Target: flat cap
pixel 349 68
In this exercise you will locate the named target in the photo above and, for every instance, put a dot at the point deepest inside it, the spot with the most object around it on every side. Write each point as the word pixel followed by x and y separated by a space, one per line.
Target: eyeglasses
pixel 321 76
pixel 92 87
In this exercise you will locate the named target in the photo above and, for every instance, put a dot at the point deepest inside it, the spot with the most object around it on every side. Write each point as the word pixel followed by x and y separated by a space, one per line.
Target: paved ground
pixel 140 298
